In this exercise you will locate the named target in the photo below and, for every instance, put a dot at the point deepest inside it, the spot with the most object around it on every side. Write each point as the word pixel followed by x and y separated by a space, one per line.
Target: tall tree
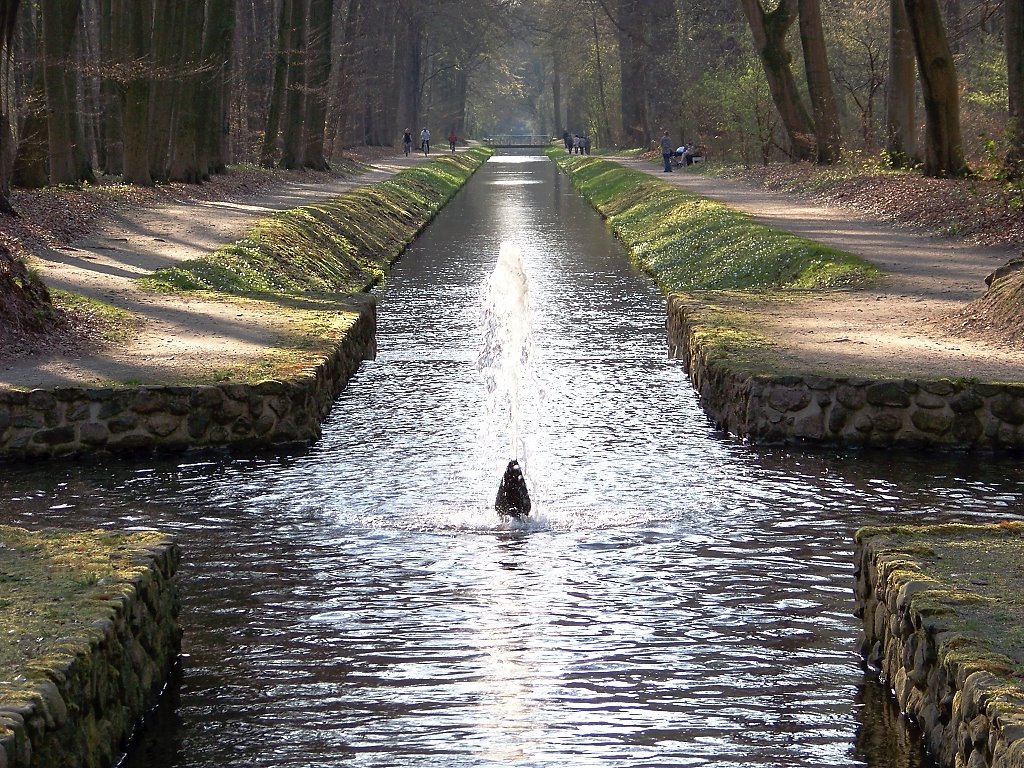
pixel 293 129
pixel 1015 80
pixel 769 31
pixel 943 155
pixel 166 46
pixel 819 83
pixel 187 134
pixel 317 74
pixel 8 20
pixel 216 82
pixel 31 164
pixel 111 150
pixel 636 124
pixel 67 159
pixel 901 136
pixel 268 153
pixel 132 38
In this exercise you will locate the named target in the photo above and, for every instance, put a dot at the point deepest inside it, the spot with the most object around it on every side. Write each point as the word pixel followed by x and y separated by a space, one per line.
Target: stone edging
pixel 856 411
pixel 969 717
pixel 70 420
pixel 82 710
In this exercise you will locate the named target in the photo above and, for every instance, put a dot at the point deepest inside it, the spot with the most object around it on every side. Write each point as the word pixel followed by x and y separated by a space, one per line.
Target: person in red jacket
pixel 452 138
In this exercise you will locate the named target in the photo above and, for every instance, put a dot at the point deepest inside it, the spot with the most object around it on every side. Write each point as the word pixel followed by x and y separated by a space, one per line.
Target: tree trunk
pixel 186 135
pixel 556 91
pixel 769 33
pixel 819 83
pixel 944 154
pixel 603 125
pixel 410 70
pixel 269 152
pixel 901 133
pixel 31 165
pixel 293 133
pixel 8 19
pixel 220 30
pixel 1015 80
pixel 60 19
pixel 318 74
pixel 349 66
pixel 635 128
pixel 167 39
pixel 661 53
pixel 133 20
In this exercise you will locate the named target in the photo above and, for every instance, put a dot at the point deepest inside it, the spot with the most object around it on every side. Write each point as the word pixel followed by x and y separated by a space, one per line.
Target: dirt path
pixel 178 338
pixel 899 327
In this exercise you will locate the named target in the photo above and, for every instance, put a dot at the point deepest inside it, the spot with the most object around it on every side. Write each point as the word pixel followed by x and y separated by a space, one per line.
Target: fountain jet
pixel 513 498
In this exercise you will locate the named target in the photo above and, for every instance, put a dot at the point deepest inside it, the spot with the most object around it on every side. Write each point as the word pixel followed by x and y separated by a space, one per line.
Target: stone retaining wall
pixel 969 717
pixel 849 410
pixel 70 420
pixel 81 711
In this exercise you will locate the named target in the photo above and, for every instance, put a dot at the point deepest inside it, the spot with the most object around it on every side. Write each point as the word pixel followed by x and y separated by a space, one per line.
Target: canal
pixel 674 599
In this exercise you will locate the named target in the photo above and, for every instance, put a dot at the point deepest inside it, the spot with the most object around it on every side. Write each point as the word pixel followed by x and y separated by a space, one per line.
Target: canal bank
pixel 942 613
pixel 788 340
pixel 90 636
pixel 287 331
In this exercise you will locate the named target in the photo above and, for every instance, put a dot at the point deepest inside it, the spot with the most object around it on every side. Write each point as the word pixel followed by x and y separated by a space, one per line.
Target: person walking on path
pixel 667 151
pixel 425 141
pixel 407 141
pixel 452 138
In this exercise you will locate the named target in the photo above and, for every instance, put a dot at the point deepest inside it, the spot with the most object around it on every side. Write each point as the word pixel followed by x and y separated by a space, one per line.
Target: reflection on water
pixel 676 600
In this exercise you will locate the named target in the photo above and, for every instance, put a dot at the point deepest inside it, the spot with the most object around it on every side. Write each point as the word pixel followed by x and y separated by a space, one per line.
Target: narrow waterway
pixel 674 599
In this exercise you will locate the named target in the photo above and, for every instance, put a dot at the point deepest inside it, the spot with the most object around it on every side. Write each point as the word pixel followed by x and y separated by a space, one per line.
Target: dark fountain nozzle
pixel 513 498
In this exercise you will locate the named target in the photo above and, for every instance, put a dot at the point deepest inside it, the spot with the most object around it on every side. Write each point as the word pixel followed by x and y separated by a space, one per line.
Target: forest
pixel 157 90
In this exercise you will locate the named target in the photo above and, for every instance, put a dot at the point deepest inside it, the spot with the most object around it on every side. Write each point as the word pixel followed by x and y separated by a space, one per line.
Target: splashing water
pixel 508 339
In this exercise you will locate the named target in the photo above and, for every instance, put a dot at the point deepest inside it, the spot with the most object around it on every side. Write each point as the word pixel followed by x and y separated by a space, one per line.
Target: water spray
pixel 508 343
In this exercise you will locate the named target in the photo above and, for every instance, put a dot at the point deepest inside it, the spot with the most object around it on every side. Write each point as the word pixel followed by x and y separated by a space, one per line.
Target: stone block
pixel 93 433
pixel 162 424
pixel 889 421
pixel 41 400
pixel 893 394
pixel 795 397
pixel 932 422
pixel 967 428
pixel 149 400
pixel 1007 408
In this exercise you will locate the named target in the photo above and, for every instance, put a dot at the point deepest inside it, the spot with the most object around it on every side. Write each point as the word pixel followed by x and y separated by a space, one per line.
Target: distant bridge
pixel 524 140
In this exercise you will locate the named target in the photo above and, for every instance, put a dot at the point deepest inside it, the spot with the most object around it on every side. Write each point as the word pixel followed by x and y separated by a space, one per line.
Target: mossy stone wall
pixel 71 420
pixel 845 410
pixel 965 698
pixel 79 706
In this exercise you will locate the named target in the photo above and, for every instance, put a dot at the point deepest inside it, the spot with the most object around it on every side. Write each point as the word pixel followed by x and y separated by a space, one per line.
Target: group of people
pixel 576 143
pixel 682 155
pixel 425 140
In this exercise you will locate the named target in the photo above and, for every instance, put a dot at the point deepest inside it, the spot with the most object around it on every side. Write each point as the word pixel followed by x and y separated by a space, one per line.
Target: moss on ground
pixel 53 586
pixel 343 245
pixel 691 243
pixel 977 571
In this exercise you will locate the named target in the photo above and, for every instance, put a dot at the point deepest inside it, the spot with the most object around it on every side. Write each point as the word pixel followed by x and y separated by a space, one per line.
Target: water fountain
pixel 508 344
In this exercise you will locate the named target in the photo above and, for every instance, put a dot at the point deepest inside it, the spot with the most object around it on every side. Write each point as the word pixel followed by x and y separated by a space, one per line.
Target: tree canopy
pixel 154 90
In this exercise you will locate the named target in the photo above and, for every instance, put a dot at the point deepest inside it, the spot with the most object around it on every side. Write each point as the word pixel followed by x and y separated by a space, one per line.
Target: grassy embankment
pixel 722 258
pixel 55 584
pixel 306 261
